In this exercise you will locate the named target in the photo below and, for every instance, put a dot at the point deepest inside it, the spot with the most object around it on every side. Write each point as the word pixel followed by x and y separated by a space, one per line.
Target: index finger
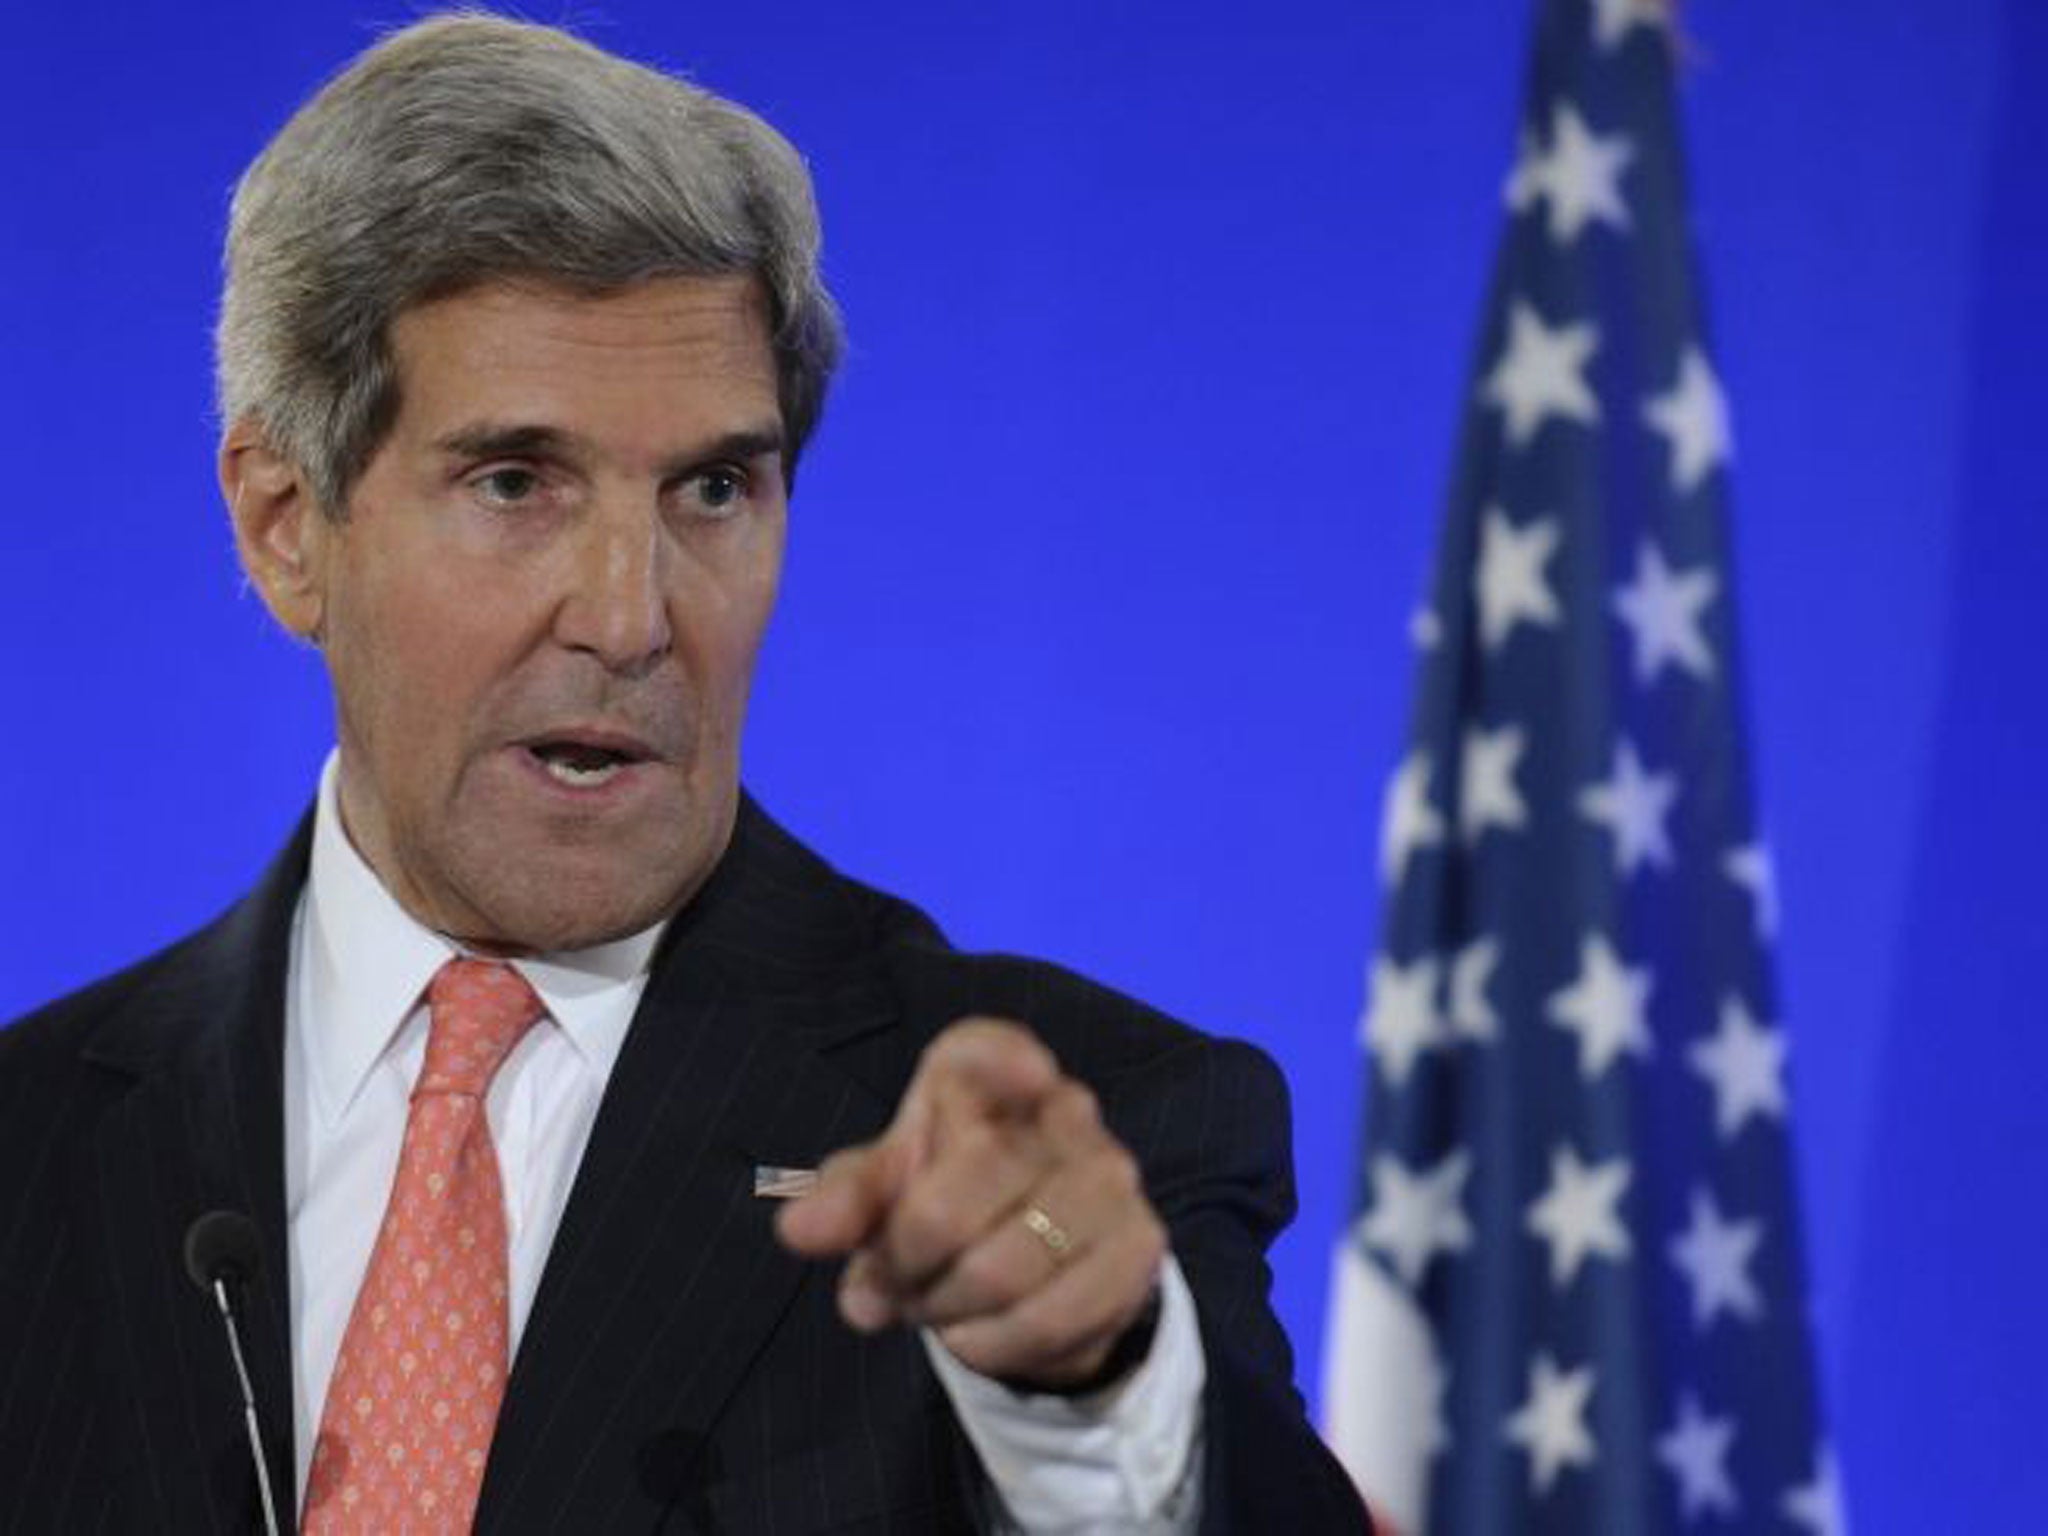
pixel 977 1068
pixel 848 1203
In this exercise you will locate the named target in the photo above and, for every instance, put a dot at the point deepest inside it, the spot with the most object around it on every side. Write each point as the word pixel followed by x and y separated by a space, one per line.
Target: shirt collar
pixel 369 962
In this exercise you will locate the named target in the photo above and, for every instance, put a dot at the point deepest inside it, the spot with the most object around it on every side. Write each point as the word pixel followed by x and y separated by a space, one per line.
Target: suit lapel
pixel 765 1037
pixel 665 1281
pixel 200 1129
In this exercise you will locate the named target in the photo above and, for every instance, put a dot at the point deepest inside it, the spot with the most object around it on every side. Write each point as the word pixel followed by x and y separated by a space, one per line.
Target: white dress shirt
pixel 355 1039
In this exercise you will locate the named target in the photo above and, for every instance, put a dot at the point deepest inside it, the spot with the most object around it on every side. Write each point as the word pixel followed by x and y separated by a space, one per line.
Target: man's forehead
pixel 658 371
pixel 727 309
pixel 658 331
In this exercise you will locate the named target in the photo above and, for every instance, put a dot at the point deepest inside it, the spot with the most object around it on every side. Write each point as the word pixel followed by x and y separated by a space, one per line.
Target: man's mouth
pixel 582 763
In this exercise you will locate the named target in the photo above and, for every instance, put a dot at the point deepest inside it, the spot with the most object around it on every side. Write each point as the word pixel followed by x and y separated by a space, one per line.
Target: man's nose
pixel 615 607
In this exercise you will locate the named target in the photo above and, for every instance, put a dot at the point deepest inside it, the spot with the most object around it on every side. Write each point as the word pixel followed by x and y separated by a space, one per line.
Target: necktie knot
pixel 477 1011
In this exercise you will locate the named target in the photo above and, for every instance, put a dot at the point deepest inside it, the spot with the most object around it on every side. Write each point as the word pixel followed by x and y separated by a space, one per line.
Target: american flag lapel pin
pixel 773 1183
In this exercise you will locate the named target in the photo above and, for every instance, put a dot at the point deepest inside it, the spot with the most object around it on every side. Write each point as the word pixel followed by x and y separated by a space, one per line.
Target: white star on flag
pixel 1577 1215
pixel 1751 867
pixel 1580 176
pixel 1662 609
pixel 1408 822
pixel 1551 1424
pixel 1714 1255
pixel 1632 804
pixel 1510 583
pixel 1612 19
pixel 1415 1216
pixel 1401 1019
pixel 1818 1505
pixel 1539 374
pixel 1471 1015
pixel 1487 796
pixel 1695 1450
pixel 1604 1007
pixel 1694 417
pixel 1744 1062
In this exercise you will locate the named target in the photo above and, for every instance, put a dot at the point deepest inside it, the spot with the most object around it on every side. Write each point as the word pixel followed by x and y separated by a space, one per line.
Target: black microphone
pixel 223 1251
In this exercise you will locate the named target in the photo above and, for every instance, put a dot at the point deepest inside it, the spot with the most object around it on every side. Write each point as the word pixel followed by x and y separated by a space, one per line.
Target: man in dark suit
pixel 546 1066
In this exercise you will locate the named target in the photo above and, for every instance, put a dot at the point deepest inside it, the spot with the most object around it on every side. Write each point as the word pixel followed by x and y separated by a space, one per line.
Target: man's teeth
pixel 578 767
pixel 581 778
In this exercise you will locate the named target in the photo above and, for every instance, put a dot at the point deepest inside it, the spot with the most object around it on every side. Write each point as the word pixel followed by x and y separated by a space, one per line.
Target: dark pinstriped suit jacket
pixel 679 1371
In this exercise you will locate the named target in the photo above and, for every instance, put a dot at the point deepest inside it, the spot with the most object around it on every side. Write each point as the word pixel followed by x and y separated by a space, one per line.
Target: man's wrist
pixel 1126 1354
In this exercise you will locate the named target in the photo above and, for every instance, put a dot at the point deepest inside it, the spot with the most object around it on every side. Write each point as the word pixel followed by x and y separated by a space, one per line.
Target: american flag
pixel 1571 1298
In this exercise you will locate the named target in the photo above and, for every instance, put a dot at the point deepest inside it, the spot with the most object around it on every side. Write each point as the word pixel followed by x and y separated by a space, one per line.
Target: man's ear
pixel 280 532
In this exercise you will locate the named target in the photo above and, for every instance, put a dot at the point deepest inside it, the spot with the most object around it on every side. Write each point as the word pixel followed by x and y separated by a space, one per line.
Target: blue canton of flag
pixel 1572 1297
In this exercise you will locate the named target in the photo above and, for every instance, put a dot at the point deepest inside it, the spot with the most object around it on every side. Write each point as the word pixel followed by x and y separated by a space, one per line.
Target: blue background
pixel 1093 634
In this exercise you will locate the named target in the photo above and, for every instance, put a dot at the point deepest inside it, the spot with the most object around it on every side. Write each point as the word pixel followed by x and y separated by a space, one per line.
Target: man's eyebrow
pixel 486 440
pixel 732 448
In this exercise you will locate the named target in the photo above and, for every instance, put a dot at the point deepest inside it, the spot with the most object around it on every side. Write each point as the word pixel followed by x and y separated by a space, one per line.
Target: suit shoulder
pixel 1097 1032
pixel 57 1030
pixel 187 974
pixel 1090 1026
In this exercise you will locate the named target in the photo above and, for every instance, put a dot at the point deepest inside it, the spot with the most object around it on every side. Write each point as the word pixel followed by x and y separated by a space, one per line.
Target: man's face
pixel 541 611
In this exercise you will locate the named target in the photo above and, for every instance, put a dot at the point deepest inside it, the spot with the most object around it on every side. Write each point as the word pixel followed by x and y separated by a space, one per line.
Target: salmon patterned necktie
pixel 416 1388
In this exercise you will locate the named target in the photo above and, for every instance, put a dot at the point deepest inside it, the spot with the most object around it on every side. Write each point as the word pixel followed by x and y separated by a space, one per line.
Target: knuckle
pixel 1077 1100
pixel 1038 1335
pixel 1119 1171
pixel 1140 1241
pixel 983 1275
pixel 967 1339
pixel 925 1220
pixel 1015 1037
pixel 973 1141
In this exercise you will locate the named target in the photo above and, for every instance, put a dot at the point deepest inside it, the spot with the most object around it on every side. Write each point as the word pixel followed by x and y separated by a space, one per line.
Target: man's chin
pixel 555 921
pixel 534 885
pixel 555 899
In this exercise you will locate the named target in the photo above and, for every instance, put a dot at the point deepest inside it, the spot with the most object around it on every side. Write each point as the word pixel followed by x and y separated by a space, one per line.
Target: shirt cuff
pixel 1124 1456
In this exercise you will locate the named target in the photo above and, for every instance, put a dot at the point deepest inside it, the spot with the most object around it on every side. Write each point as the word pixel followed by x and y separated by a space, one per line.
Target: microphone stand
pixel 227 1316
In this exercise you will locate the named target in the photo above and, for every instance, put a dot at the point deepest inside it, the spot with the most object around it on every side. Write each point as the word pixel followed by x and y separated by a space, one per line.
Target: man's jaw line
pixel 464 916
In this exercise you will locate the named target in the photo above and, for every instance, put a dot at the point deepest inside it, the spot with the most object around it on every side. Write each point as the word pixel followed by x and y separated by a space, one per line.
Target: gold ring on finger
pixel 1058 1241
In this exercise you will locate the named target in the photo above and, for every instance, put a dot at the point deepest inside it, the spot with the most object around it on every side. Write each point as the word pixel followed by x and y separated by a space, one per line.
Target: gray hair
pixel 469 147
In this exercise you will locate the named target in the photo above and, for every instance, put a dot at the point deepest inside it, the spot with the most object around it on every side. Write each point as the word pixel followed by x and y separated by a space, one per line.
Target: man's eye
pixel 508 485
pixel 720 489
